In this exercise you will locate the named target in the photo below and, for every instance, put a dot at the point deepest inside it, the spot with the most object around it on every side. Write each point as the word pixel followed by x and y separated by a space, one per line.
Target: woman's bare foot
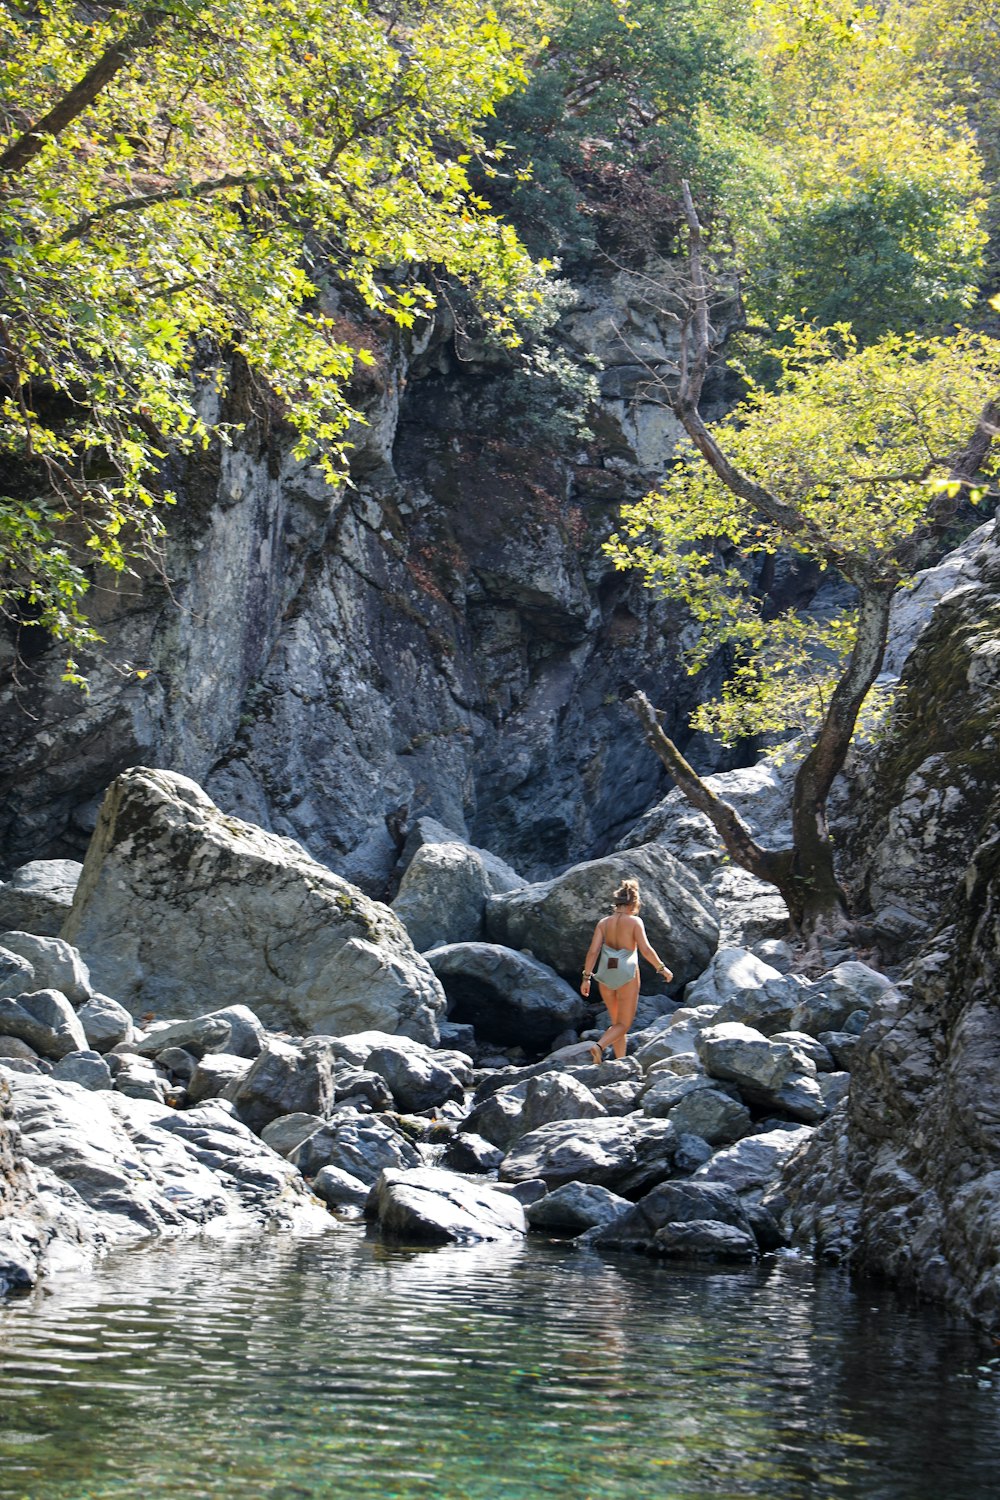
pixel 597 1054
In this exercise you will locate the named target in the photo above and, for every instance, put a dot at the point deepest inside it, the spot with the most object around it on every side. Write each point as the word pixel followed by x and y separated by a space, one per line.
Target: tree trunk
pixel 822 897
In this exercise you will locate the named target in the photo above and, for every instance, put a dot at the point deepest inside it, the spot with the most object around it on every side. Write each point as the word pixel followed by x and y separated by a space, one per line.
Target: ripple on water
pixel 336 1367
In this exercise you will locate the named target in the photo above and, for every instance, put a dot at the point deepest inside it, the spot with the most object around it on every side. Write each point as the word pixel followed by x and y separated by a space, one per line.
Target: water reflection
pixel 336 1367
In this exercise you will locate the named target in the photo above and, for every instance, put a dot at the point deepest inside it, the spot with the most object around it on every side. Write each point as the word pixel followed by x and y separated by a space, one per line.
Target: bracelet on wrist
pixel 587 976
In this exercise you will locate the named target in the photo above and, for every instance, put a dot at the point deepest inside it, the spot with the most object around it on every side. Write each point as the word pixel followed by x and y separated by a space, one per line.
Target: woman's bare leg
pixel 621 1005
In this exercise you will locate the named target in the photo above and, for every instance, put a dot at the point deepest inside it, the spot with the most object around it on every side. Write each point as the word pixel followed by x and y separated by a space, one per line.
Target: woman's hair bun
pixel 627 893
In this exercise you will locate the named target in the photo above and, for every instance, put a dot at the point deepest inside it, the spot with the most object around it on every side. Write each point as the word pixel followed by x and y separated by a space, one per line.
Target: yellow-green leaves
pixel 859 443
pixel 247 166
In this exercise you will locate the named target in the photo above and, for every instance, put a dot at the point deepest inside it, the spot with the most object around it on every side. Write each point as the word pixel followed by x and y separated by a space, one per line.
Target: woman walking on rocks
pixel 619 939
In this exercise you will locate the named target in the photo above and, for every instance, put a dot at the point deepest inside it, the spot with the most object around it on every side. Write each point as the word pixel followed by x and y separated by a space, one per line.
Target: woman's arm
pixel 649 953
pixel 591 959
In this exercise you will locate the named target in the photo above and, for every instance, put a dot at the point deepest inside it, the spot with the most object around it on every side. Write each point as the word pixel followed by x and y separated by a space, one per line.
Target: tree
pixel 622 101
pixel 874 208
pixel 196 183
pixel 858 460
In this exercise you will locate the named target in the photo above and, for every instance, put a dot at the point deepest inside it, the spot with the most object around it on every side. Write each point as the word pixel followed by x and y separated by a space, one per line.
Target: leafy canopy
pixel 874 206
pixel 240 163
pixel 855 442
pixel 625 98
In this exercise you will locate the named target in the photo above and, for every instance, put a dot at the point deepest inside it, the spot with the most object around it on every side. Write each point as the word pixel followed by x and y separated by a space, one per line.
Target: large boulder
pixel 432 1204
pixel 38 896
pixel 182 909
pixel 443 894
pixel 697 1106
pixel 361 1147
pixel 111 1169
pixel 626 1153
pixel 773 1074
pixel 576 1207
pixel 510 998
pixel 555 920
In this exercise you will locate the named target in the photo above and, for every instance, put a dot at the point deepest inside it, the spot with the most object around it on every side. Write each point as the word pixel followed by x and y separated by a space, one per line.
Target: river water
pixel 335 1367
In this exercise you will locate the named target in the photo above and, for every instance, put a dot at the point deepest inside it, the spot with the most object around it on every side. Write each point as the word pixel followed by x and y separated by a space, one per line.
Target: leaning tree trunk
pixel 820 895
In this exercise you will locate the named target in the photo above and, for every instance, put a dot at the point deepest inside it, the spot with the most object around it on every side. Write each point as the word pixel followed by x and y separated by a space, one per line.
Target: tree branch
pixel 203 189
pixel 770 865
pixel 22 151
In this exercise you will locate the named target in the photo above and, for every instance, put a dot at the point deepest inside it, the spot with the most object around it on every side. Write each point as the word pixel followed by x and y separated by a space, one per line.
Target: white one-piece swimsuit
pixel 616 966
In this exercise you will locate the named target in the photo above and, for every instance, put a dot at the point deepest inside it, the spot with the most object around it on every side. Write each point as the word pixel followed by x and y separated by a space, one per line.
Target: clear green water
pixel 334 1367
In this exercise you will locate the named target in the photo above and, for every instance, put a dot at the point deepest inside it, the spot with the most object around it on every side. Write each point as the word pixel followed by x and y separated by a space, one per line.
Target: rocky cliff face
pixel 905 1180
pixel 445 638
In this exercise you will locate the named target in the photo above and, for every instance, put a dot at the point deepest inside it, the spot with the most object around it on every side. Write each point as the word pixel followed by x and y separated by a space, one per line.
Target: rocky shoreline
pixel 428 1117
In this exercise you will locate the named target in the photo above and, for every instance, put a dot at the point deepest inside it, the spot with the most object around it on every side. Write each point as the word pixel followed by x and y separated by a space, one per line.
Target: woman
pixel 619 939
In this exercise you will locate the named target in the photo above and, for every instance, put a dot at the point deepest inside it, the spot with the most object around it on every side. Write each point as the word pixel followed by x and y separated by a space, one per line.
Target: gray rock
pixel 15 1047
pixel 841 1046
pixel 617 1098
pixel 508 997
pixel 442 897
pixel 827 1004
pixel 45 1020
pixel 672 1203
pixel 285 1079
pixel 16 974
pixel 576 1207
pixel 22 1065
pixel 731 972
pixel 767 1073
pixel 811 1047
pixel 198 1035
pixel 289 1131
pixel 179 1064
pixel 705 1239
pixel 105 1023
pixel 215 1073
pixel 87 1068
pixel 627 1154
pixel 526 1192
pixel 416 1079
pixel 440 1207
pixel 339 1190
pixel 695 1107
pixel 834 1087
pixel 498 1116
pixel 468 1152
pixel 38 896
pixel 692 1152
pixel 246 1031
pixel 555 920
pixel 181 908
pixel 110 1170
pixel 57 965
pixel 756 1162
pixel 137 1078
pixel 673 1036
pixel 556 1096
pixel 358 1146
pixel 362 1088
